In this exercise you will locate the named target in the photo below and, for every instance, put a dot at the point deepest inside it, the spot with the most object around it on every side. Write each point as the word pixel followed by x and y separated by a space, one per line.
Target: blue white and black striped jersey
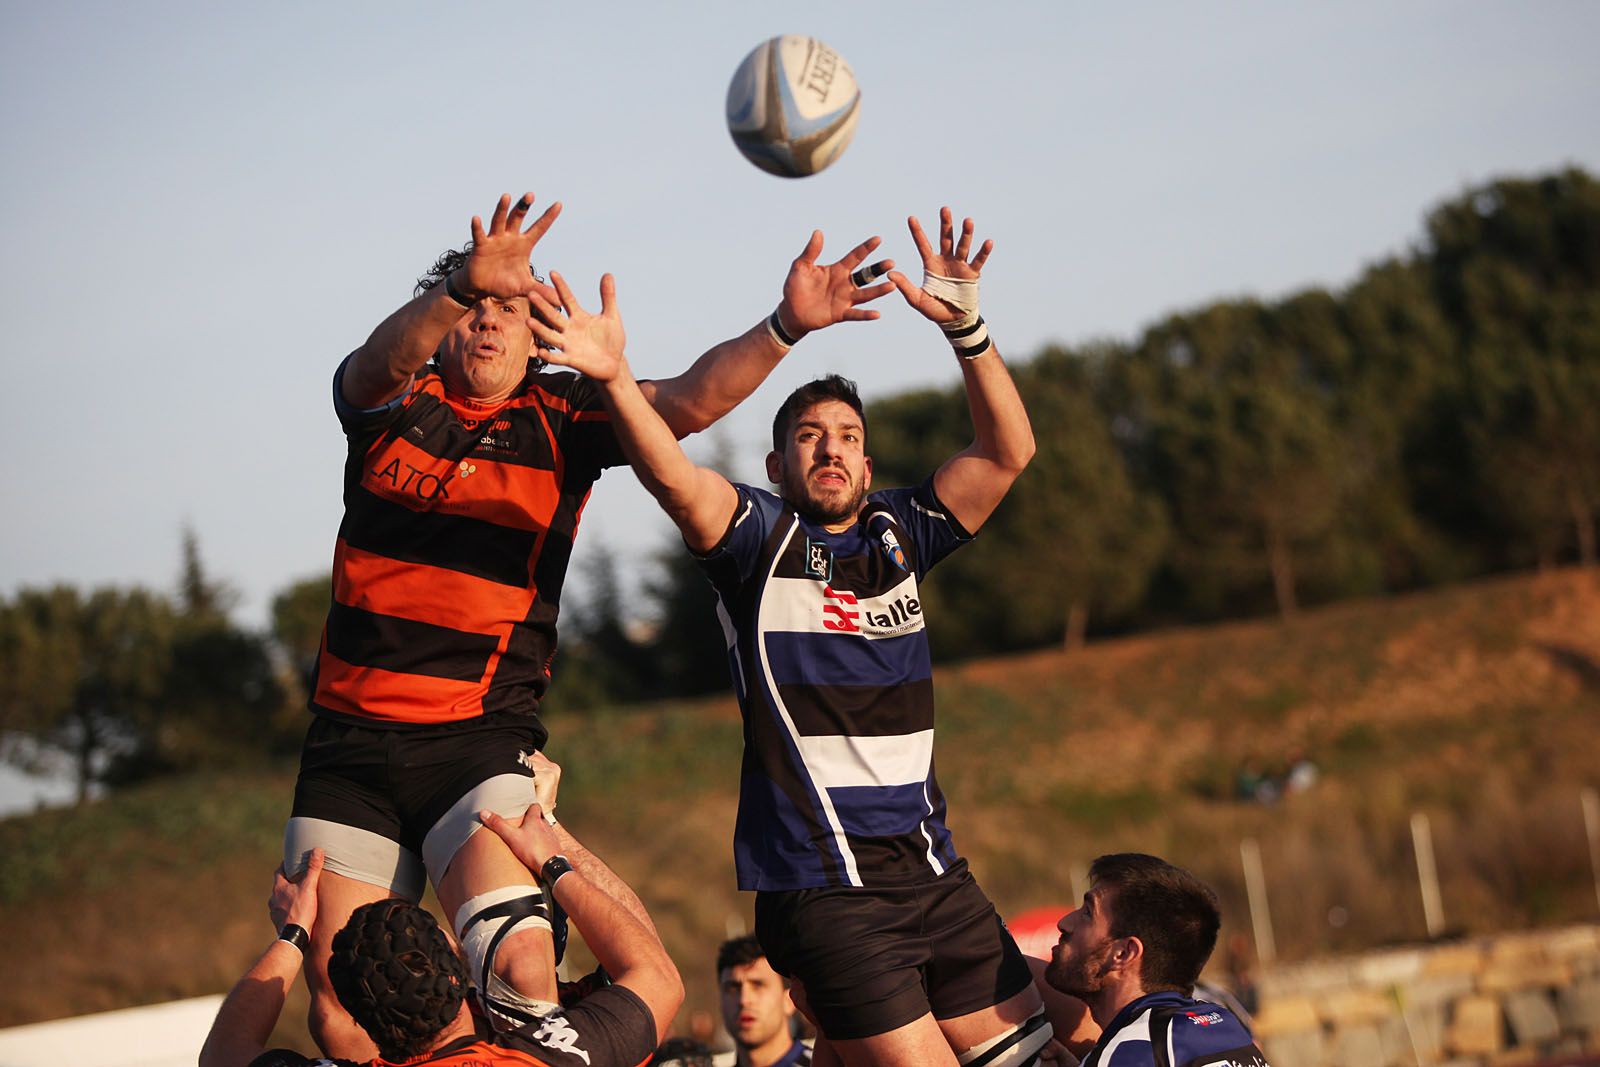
pixel 1172 1030
pixel 831 666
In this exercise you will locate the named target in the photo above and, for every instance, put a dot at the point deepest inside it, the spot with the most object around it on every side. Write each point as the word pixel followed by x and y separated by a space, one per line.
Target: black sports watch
pixel 553 868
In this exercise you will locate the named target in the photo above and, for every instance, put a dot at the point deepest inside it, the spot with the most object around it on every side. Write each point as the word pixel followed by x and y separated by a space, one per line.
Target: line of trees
pixel 1434 421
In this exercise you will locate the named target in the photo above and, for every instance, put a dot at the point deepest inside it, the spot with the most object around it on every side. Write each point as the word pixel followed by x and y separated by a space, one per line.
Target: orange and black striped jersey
pixel 458 524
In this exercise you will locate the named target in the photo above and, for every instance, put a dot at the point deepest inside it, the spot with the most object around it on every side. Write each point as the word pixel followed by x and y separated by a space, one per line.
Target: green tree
pixel 81 676
pixel 1516 264
pixel 299 612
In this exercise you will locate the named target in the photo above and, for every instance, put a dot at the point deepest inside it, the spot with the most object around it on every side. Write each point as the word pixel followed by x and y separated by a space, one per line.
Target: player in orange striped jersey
pixel 467 471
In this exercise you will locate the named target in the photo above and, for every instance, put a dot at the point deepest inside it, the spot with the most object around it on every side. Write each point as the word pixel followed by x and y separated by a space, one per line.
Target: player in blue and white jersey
pixel 1133 952
pixel 862 900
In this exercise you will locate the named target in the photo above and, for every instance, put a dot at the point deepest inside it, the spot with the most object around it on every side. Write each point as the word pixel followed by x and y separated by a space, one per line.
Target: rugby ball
pixel 792 106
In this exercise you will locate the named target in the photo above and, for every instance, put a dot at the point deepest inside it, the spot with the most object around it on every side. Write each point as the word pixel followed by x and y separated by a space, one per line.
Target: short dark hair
pixel 395 972
pixel 829 387
pixel 739 951
pixel 1171 911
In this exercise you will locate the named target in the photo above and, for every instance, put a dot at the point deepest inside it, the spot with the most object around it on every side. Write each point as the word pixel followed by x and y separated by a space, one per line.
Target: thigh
pixel 977 965
pixel 918 1043
pixel 857 955
pixel 342 805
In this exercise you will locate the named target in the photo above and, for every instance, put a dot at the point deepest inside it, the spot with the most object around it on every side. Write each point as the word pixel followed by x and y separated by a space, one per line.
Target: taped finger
pixel 868 273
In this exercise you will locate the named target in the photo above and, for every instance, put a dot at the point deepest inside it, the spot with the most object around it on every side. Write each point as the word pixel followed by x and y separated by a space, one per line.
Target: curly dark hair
pixel 395 972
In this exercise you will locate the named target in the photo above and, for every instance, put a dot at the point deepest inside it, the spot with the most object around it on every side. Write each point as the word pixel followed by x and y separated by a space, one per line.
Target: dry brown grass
pixel 1479 705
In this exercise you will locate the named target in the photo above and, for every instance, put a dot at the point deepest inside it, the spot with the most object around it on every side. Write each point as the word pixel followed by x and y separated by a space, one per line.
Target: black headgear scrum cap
pixel 397 975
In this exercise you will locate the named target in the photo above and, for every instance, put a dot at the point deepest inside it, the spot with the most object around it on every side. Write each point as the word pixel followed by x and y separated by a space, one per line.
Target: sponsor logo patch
pixel 1208 1019
pixel 892 549
pixel 819 561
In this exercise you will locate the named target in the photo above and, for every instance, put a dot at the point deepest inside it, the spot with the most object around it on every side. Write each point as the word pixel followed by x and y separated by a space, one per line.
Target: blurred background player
pixel 466 473
pixel 1133 952
pixel 756 1009
pixel 897 955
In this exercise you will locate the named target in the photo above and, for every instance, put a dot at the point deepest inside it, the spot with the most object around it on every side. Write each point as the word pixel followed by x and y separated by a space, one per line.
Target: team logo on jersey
pixel 467 468
pixel 556 1032
pixel 1208 1019
pixel 819 561
pixel 892 549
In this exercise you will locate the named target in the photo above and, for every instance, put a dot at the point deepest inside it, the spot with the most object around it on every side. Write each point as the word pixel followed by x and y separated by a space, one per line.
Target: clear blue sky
pixel 207 205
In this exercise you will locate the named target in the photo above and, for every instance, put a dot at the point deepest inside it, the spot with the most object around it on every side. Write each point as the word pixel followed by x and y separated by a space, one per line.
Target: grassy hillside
pixel 1479 705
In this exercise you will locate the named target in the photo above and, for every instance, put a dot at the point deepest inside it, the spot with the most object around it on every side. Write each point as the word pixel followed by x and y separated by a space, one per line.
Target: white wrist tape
pixel 959 293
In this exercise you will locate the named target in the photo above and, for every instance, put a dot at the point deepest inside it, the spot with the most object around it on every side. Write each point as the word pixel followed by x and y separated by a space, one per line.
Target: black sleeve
pixel 609 1028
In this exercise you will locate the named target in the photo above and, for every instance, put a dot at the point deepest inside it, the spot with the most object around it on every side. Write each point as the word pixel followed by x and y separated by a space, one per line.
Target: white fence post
pixel 1591 826
pixel 1427 874
pixel 1255 884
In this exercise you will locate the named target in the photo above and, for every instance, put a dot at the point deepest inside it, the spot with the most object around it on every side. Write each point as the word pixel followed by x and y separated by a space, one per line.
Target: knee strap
pixel 482 925
pixel 1017 1047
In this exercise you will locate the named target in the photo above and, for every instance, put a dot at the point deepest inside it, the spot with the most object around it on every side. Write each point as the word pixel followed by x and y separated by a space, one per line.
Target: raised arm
pixel 973 481
pixel 814 296
pixel 251 1009
pixel 699 500
pixel 381 368
pixel 630 952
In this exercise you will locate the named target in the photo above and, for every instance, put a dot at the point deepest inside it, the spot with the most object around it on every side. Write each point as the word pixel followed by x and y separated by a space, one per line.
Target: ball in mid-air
pixel 792 106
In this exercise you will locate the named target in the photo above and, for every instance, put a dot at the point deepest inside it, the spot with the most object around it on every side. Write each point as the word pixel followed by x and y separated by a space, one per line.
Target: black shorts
pixel 391 805
pixel 873 960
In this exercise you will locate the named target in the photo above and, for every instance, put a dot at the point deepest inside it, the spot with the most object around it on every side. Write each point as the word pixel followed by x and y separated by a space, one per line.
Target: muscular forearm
pixel 399 347
pixel 605 879
pixel 1002 433
pixel 251 1009
pixel 698 500
pixel 632 954
pixel 717 382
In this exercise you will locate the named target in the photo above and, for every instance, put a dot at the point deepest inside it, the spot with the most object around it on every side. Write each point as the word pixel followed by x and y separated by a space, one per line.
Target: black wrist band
pixel 456 293
pixel 296 935
pixel 553 869
pixel 776 325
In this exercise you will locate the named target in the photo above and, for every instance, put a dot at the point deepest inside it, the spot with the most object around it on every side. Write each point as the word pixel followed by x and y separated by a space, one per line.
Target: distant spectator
pixel 757 1008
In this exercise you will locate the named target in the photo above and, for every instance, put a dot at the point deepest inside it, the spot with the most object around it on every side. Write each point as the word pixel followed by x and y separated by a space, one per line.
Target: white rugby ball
pixel 792 106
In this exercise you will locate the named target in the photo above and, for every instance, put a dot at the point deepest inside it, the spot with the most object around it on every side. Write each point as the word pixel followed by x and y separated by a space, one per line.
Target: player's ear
pixel 775 468
pixel 1129 954
pixel 866 474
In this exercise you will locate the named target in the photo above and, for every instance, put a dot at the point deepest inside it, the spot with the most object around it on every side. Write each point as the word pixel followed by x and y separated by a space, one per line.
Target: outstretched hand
pixel 815 295
pixel 590 344
pixel 295 900
pixel 951 261
pixel 498 264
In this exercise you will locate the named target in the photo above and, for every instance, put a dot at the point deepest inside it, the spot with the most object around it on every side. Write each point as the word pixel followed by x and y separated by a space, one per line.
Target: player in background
pixel 1133 952
pixel 756 1008
pixel 466 473
pixel 862 901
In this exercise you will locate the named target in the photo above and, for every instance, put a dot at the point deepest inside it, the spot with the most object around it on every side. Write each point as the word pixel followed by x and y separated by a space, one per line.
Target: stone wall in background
pixel 1506 1001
